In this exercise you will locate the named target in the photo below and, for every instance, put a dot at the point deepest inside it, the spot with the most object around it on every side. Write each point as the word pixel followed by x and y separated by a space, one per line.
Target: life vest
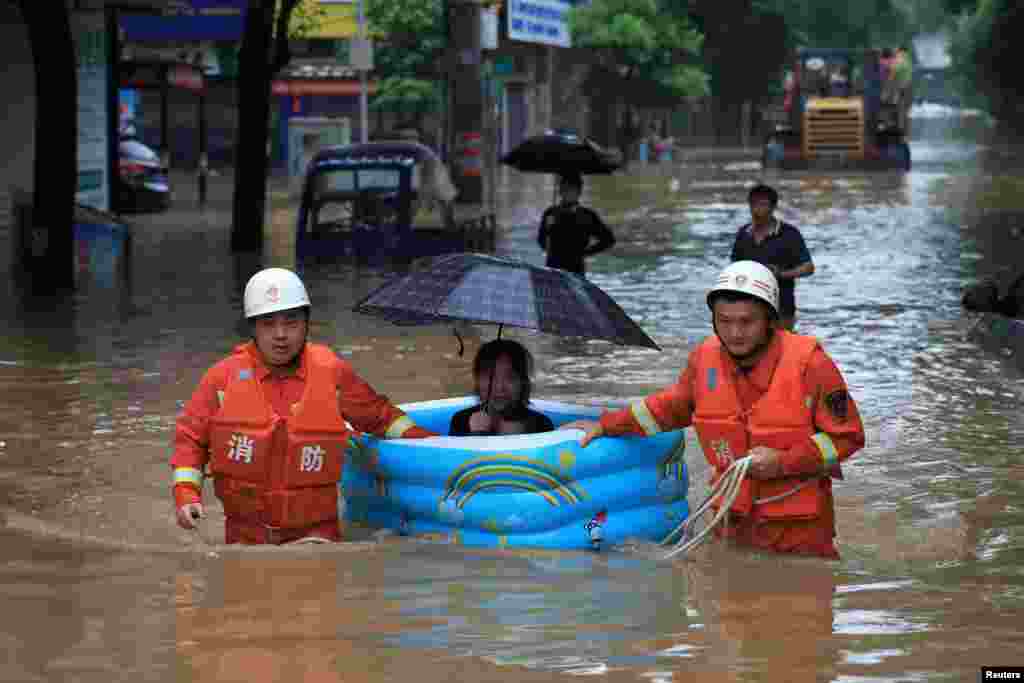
pixel 281 470
pixel 781 418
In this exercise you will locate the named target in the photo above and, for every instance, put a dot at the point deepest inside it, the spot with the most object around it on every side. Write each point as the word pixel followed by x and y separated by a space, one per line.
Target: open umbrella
pixel 488 289
pixel 562 152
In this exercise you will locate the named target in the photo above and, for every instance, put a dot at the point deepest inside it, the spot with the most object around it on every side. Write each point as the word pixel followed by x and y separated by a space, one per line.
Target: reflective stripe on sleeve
pixel 642 414
pixel 829 454
pixel 399 427
pixel 188 475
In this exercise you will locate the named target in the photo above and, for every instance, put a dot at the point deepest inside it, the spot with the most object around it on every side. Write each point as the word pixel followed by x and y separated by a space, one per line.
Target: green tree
pixel 862 24
pixel 956 7
pixel 745 49
pixel 749 43
pixel 986 50
pixel 409 35
pixel 926 16
pixel 305 16
pixel 648 44
pixel 647 55
pixel 412 96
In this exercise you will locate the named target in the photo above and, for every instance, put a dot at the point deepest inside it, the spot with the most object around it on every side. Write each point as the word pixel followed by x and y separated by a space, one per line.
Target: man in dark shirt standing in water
pixel 568 231
pixel 774 244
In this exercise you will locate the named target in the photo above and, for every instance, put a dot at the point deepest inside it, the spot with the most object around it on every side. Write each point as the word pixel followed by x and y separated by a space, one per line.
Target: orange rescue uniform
pixel 276 444
pixel 794 400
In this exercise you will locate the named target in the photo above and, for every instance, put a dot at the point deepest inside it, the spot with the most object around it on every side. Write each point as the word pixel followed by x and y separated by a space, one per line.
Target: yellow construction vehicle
pixel 840 111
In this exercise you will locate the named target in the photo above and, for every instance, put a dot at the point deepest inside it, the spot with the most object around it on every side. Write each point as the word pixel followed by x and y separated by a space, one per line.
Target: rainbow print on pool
pixel 524 490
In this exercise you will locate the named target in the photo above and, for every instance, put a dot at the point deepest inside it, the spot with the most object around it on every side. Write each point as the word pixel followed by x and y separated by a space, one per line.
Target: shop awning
pixel 319 77
pixel 299 87
pixel 153 74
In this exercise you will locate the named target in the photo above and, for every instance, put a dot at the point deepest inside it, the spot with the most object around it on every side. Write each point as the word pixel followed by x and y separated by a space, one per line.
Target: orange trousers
pixel 253 532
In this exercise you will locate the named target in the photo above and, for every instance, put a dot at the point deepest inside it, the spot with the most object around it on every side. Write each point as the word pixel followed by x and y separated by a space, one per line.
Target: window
pixel 337 181
pixel 352 180
pixel 378 179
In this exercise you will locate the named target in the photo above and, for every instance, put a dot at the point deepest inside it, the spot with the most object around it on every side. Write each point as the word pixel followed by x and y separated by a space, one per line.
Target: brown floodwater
pixel 97 583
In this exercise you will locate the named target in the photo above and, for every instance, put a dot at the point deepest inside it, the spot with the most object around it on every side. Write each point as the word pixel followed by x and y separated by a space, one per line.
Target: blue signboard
pixel 540 21
pixel 191 20
pixel 129 101
pixel 90 33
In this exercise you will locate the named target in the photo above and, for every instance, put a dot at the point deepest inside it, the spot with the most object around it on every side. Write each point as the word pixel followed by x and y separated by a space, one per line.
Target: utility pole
pixel 364 117
pixel 467 100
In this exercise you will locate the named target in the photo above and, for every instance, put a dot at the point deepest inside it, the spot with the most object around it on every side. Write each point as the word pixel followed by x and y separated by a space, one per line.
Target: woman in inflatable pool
pixel 501 371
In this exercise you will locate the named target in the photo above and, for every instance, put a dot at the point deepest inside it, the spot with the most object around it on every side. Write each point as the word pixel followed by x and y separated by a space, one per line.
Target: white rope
pixel 726 489
pixel 721 486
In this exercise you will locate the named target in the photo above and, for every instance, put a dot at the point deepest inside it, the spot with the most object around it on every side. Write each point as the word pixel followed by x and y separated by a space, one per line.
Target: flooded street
pixel 98 584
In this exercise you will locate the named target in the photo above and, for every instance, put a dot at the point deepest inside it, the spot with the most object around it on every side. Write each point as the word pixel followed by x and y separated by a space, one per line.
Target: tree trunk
pixel 745 51
pixel 728 120
pixel 251 163
pixel 264 52
pixel 55 172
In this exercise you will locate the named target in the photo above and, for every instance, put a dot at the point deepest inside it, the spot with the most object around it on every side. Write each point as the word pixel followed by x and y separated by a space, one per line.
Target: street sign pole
pixel 467 100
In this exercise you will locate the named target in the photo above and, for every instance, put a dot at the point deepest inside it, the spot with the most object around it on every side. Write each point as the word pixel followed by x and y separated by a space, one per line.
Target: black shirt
pixel 566 233
pixel 533 422
pixel 783 248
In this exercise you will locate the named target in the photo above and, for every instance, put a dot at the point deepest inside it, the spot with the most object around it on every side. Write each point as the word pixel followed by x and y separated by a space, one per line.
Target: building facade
pixel 17 144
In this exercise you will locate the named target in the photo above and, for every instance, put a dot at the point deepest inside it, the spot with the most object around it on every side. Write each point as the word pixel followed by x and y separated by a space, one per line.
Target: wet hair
pixel 733 297
pixel 521 360
pixel 572 180
pixel 762 190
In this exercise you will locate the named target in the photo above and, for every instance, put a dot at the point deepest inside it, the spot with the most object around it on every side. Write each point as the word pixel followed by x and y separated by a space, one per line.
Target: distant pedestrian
pixel 775 244
pixel 839 83
pixel 887 66
pixel 789 88
pixel 903 68
pixel 570 232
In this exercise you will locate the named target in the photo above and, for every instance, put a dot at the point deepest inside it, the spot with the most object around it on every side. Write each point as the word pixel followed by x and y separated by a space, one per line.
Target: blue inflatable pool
pixel 524 490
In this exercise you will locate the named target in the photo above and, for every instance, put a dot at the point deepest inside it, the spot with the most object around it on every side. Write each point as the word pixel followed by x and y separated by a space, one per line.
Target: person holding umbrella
pixel 501 373
pixel 570 232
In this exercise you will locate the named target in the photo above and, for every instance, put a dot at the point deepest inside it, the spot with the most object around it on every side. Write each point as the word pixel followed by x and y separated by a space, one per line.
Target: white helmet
pixel 272 290
pixel 750 278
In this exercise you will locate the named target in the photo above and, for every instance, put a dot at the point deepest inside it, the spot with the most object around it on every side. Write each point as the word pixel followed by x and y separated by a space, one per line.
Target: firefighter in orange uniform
pixel 268 422
pixel 755 389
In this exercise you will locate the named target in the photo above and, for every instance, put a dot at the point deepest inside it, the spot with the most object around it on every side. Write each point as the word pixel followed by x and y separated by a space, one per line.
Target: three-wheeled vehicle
pixel 840 111
pixel 383 201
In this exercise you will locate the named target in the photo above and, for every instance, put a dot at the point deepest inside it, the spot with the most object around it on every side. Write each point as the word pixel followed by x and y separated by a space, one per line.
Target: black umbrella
pixel 487 289
pixel 562 152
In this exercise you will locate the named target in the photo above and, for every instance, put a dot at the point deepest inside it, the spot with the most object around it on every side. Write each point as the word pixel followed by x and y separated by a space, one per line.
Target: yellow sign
pixel 338 21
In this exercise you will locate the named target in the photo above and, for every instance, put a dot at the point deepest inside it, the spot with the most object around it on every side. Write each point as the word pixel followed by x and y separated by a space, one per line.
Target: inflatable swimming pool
pixel 523 490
